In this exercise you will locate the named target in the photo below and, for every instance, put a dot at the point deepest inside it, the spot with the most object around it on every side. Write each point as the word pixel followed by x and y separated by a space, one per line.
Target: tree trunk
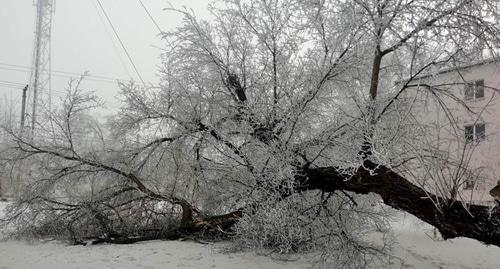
pixel 453 219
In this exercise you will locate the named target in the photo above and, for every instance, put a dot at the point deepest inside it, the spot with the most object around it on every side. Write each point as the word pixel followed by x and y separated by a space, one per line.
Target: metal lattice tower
pixel 40 79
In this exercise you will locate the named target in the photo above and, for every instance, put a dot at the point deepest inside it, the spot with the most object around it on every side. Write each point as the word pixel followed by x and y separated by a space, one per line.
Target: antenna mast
pixel 40 81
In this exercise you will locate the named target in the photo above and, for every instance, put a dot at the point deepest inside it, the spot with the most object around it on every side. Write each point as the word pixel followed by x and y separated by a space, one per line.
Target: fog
pixel 82 40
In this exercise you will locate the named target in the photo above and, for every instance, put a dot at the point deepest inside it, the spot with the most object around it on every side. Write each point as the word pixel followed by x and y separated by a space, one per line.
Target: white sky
pixel 82 40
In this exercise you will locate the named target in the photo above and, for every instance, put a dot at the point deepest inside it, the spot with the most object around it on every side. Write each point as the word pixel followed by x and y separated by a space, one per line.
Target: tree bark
pixel 218 225
pixel 453 219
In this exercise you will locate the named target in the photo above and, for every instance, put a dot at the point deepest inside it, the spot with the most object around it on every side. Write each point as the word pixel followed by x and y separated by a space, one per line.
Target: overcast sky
pixel 82 40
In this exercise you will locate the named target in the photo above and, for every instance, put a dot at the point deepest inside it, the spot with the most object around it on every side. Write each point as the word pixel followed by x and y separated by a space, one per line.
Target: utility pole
pixel 23 107
pixel 40 79
pixel 15 181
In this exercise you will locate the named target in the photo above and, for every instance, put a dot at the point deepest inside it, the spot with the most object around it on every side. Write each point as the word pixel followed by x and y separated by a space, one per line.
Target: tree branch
pixel 454 219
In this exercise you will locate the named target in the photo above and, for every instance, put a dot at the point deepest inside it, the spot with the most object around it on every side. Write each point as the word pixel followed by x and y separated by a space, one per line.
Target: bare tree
pixel 270 120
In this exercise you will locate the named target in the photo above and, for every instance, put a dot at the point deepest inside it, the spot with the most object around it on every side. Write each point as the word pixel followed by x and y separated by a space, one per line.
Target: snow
pixel 420 251
pixel 414 246
pixel 154 254
pixel 418 248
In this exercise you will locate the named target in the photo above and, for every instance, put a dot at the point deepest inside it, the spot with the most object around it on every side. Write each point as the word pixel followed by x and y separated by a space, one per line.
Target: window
pixel 474 90
pixel 475 133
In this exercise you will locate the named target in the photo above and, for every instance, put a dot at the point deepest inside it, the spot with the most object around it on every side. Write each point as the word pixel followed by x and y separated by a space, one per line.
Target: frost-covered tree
pixel 272 121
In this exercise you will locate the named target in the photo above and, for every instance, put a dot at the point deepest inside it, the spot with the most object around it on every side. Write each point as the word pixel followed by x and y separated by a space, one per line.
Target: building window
pixel 474 90
pixel 475 133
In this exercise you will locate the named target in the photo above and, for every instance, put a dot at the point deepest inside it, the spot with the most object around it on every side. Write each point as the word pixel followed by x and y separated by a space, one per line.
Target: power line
pixel 121 42
pixel 14 83
pixel 19 85
pixel 150 17
pixel 11 87
pixel 89 77
pixel 11 82
pixel 110 36
pixel 22 85
pixel 60 72
pixel 59 75
pixel 154 21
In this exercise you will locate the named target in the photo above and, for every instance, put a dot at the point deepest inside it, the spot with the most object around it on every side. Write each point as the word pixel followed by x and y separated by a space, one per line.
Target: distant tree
pixel 272 119
pixel 7 118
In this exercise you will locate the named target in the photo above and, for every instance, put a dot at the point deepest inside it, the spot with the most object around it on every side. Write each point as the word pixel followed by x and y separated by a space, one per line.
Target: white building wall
pixel 484 156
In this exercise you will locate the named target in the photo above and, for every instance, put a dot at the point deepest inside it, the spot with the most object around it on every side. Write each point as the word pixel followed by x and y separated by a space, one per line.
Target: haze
pixel 82 40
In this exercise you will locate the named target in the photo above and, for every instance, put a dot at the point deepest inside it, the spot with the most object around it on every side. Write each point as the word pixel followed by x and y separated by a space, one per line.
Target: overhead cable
pixel 121 42
pixel 150 17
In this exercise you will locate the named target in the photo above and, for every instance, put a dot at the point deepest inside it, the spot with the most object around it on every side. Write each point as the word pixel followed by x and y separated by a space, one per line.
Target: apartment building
pixel 463 107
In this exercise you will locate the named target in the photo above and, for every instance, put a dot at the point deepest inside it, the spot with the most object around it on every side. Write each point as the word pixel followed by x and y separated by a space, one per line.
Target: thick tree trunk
pixel 453 219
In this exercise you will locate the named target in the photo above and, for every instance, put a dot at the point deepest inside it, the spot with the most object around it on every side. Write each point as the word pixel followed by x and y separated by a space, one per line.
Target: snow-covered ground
pixel 155 254
pixel 414 246
pixel 418 250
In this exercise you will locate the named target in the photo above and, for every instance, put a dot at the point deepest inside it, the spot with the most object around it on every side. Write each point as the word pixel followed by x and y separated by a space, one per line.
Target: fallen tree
pixel 452 218
pixel 269 122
